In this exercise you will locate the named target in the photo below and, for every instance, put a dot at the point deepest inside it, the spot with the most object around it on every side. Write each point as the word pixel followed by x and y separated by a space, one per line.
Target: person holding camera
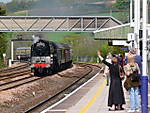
pixel 132 72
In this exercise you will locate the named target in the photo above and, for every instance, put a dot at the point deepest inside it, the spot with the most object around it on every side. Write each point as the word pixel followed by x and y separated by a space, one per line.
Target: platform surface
pixel 91 98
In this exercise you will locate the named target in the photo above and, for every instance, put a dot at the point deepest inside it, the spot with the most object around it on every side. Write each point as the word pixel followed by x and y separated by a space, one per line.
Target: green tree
pixel 2 10
pixel 106 49
pixel 112 49
pixel 16 5
pixel 83 45
pixel 122 7
pixel 3 40
pixel 122 4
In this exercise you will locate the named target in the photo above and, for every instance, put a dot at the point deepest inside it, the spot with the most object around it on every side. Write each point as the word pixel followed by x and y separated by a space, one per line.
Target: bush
pixel 2 65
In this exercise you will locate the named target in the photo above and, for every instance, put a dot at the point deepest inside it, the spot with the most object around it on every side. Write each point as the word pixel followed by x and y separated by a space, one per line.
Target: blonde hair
pixel 131 60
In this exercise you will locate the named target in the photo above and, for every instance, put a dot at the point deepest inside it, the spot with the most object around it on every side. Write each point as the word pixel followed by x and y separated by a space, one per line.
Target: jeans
pixel 134 98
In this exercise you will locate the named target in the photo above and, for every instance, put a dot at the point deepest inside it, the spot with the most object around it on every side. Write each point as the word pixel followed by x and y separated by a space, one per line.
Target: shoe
pixel 121 108
pixel 131 111
pixel 111 109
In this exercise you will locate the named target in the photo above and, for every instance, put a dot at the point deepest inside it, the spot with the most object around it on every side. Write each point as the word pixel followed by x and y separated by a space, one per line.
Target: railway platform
pixel 89 98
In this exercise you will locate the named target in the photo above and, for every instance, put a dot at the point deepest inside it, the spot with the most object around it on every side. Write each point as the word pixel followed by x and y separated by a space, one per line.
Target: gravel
pixel 31 93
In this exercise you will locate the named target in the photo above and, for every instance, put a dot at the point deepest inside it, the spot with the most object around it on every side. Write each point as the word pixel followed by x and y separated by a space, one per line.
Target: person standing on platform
pixel 116 94
pixel 138 58
pixel 132 72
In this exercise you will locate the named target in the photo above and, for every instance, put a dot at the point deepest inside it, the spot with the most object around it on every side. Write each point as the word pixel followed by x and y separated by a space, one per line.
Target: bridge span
pixel 56 23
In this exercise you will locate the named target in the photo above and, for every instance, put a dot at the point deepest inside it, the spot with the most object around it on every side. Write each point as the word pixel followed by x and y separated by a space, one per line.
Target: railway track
pixel 93 69
pixel 8 70
pixel 14 75
pixel 18 82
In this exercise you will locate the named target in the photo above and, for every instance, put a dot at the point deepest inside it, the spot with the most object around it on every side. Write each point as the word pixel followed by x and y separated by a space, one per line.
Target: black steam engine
pixel 49 57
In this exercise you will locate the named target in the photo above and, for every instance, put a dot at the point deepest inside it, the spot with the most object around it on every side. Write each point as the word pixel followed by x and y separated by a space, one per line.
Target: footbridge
pixel 56 23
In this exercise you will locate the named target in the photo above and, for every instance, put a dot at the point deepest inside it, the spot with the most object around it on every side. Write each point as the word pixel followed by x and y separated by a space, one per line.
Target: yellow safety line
pixel 90 103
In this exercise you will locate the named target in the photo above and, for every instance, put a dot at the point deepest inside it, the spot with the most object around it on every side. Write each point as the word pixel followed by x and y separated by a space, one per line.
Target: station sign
pixel 119 43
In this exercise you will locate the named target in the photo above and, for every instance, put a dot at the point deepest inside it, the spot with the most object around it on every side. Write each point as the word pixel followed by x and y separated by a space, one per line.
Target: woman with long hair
pixel 132 72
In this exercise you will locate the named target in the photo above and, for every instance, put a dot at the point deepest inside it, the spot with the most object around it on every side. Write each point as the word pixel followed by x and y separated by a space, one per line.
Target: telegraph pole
pixel 144 86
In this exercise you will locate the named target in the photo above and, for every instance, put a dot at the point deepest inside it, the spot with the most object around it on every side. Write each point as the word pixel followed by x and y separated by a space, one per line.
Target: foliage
pixel 106 49
pixel 2 10
pixel 2 65
pixel 112 49
pixel 122 16
pixel 3 40
pixel 3 44
pixel 16 5
pixel 122 4
pixel 82 45
pixel 58 7
pixel 56 37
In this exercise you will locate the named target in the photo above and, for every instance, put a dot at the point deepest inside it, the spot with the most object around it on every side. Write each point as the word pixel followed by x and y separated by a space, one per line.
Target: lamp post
pixel 144 86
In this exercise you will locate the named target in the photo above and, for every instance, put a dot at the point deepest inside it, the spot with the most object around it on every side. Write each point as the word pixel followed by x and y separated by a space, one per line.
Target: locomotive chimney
pixel 35 38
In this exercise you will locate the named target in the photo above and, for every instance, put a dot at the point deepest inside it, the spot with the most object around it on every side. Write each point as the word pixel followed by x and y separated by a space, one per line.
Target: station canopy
pixel 119 32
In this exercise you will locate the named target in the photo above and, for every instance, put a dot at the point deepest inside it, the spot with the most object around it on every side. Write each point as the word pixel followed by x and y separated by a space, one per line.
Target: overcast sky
pixel 5 1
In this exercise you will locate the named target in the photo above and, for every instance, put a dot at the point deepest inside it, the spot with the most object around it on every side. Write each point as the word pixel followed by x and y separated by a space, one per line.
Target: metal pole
pixel 144 81
pixel 131 13
pixel 137 24
pixel 12 50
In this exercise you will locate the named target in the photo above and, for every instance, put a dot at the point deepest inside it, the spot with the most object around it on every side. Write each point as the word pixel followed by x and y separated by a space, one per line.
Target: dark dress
pixel 116 94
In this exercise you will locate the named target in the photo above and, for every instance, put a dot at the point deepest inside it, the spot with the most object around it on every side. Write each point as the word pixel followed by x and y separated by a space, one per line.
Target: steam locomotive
pixel 49 57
